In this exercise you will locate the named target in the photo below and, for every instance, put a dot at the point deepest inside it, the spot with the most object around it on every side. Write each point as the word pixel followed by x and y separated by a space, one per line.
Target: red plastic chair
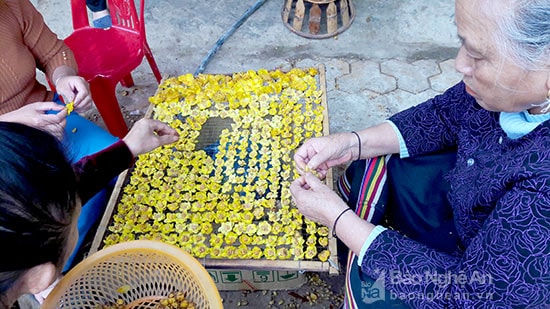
pixel 108 56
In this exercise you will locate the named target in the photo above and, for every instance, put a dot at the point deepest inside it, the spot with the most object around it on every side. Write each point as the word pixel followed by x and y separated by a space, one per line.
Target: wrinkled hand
pixel 75 89
pixel 34 115
pixel 148 134
pixel 315 200
pixel 322 153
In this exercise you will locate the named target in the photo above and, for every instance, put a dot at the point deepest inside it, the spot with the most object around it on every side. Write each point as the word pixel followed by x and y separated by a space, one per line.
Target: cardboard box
pixel 239 279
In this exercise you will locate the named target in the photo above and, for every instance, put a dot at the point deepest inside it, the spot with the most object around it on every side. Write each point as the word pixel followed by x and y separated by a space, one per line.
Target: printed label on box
pixel 237 279
pixel 263 276
pixel 214 276
pixel 287 275
pixel 231 276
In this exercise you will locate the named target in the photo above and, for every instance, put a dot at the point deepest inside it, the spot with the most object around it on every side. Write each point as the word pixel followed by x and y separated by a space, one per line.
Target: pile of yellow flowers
pixel 222 191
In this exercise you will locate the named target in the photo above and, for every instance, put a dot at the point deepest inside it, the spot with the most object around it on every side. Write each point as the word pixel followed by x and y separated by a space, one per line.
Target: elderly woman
pixel 496 123
pixel 40 197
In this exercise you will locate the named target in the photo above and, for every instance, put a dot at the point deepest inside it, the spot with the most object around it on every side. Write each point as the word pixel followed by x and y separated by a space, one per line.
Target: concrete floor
pixel 395 54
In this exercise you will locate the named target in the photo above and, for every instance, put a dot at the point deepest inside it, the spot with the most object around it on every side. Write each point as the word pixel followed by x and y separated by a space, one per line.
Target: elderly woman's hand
pixel 46 116
pixel 315 200
pixel 322 153
pixel 148 134
pixel 75 89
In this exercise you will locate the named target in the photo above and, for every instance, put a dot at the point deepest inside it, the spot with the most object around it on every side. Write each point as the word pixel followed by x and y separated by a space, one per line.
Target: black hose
pixel 226 35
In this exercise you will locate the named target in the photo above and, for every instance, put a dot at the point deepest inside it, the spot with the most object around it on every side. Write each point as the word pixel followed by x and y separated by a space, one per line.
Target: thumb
pixel 312 180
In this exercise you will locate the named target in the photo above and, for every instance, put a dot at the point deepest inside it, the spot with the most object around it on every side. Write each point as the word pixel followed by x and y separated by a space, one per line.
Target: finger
pixel 167 139
pixel 316 161
pixel 163 129
pixel 312 181
pixel 63 123
pixel 297 185
pixel 301 159
pixel 67 96
pixel 61 115
pixel 83 105
pixel 87 102
pixel 80 96
pixel 43 107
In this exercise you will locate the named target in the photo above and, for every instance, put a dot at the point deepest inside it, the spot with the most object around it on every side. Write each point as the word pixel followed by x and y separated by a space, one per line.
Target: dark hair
pixel 37 201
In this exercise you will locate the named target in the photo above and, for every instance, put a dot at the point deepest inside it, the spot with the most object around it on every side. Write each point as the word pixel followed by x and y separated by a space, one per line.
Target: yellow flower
pixel 247 217
pixel 206 228
pixel 323 241
pixel 311 240
pixel 311 252
pixel 239 228
pixel 230 238
pixel 271 240
pixel 258 213
pixel 270 253
pixel 258 240
pixel 225 227
pixel 243 252
pixel 200 250
pixel 112 239
pixel 283 253
pixel 69 107
pixel 256 252
pixel 216 252
pixel 229 252
pixel 185 239
pixel 276 228
pixel 289 229
pixel 171 239
pixel 322 231
pixel 245 239
pixel 197 239
pixel 323 255
pixel 297 252
pixel 179 227
pixel 264 228
pixel 251 229
pixel 194 227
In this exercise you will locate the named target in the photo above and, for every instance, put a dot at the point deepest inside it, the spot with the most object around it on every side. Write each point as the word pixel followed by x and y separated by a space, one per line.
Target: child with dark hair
pixel 41 194
pixel 38 210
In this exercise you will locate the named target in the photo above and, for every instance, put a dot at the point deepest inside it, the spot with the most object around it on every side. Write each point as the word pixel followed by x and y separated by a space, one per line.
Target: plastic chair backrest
pixel 124 15
pixel 80 14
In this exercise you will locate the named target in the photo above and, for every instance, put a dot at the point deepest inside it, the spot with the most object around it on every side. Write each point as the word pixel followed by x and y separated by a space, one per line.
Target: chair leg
pixel 127 81
pixel 104 95
pixel 152 62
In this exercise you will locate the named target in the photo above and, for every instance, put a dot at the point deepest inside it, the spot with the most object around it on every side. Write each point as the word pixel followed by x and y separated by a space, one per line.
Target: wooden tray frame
pixel 331 265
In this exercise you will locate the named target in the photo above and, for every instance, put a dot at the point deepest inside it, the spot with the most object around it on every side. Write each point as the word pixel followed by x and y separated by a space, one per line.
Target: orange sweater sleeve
pixel 49 51
pixel 27 45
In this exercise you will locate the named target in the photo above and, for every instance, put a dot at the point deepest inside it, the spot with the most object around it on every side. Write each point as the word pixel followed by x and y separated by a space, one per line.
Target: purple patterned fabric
pixel 501 202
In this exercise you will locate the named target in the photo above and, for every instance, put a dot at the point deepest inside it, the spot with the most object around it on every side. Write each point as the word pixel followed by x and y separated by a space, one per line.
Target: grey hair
pixel 525 32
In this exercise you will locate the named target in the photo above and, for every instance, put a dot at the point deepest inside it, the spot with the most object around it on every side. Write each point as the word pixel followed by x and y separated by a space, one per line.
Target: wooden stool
pixel 317 19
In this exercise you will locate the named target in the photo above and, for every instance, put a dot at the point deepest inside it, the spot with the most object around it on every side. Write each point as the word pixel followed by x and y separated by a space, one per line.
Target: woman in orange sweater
pixel 27 44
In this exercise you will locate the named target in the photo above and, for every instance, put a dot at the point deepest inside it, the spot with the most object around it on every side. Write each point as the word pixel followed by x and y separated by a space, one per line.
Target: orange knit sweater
pixel 27 44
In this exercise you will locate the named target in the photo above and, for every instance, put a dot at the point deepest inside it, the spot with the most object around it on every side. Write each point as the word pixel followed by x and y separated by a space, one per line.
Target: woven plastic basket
pixel 139 274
